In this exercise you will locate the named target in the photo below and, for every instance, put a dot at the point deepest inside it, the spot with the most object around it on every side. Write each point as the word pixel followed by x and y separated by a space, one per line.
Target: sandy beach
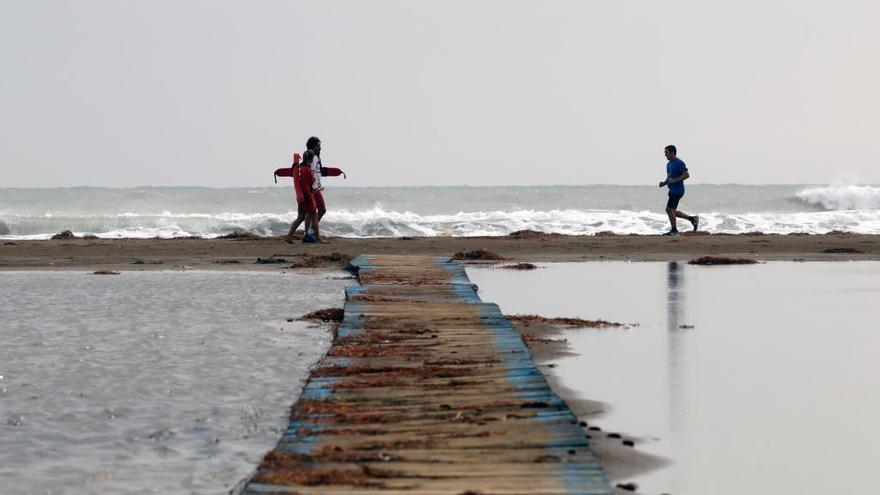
pixel 164 254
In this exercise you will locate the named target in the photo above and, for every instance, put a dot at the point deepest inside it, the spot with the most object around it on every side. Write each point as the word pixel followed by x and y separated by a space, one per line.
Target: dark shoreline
pixel 241 254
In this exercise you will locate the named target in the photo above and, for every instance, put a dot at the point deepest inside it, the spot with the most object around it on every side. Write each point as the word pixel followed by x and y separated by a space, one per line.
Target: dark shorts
pixel 673 200
pixel 319 200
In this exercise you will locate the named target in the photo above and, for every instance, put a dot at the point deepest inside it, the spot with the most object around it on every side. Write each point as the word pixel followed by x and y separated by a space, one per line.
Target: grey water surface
pixel 150 382
pixel 775 389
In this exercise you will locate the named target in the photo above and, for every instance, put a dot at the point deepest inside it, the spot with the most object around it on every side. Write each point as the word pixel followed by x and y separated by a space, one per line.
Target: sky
pixel 408 93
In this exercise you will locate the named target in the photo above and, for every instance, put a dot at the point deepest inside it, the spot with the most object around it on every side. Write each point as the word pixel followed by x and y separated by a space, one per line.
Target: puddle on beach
pixel 150 382
pixel 775 389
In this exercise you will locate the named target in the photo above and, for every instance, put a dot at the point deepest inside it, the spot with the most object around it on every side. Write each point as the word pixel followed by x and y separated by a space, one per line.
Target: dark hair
pixel 312 142
pixel 672 148
pixel 308 156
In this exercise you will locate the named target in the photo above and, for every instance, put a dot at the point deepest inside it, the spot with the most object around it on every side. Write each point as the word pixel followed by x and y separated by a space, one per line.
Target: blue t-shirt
pixel 675 168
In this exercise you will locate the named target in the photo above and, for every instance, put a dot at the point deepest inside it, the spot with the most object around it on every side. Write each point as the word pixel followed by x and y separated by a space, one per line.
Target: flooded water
pixel 775 389
pixel 150 382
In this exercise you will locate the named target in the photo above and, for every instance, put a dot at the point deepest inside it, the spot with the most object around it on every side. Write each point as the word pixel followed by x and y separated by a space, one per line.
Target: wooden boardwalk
pixel 427 390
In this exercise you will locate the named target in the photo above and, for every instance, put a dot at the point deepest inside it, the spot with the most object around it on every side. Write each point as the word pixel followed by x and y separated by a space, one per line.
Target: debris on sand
pixel 478 255
pixel 105 272
pixel 241 235
pixel 529 338
pixel 288 469
pixel 91 237
pixel 605 233
pixel 321 260
pixel 520 266
pixel 227 262
pixel 721 260
pixel 327 314
pixel 685 327
pixel 697 233
pixel 64 235
pixel 271 260
pixel 841 250
pixel 838 232
pixel 528 234
pixel 527 320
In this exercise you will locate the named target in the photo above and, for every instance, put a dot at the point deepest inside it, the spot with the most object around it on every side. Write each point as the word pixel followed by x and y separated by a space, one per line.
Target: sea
pixel 361 212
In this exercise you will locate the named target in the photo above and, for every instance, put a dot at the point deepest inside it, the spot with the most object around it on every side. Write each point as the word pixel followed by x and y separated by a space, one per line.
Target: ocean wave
pixel 379 222
pixel 842 197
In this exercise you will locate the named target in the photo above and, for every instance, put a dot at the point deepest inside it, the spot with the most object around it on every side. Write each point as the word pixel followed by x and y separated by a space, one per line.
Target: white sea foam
pixel 842 197
pixel 379 222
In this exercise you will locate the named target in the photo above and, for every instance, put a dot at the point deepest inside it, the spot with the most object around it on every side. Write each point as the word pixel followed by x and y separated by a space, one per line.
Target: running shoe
pixel 672 232
pixel 695 222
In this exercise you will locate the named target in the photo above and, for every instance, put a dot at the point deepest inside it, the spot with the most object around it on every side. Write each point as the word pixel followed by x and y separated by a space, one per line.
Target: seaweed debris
pixel 529 338
pixel 520 266
pixel 569 322
pixel 478 255
pixel 320 260
pixel 326 314
pixel 528 234
pixel 841 250
pixel 285 472
pixel 105 272
pixel 271 260
pixel 720 260
pixel 241 235
pixel 64 235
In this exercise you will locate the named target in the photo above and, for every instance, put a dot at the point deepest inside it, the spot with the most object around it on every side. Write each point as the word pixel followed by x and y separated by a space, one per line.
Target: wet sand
pixel 164 254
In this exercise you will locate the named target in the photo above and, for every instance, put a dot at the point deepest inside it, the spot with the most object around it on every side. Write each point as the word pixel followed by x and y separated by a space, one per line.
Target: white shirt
pixel 316 171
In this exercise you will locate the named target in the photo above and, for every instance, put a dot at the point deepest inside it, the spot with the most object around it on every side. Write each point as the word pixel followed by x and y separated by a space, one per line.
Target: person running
pixel 676 174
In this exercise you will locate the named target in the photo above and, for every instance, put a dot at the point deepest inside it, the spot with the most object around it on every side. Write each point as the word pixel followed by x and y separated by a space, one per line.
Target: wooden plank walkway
pixel 427 390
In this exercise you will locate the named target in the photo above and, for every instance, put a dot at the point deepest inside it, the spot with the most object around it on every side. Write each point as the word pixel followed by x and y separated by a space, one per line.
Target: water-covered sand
pixel 757 379
pixel 150 382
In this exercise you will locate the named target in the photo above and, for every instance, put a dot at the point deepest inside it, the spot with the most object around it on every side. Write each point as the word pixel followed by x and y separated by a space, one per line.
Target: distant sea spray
pixel 843 197
pixel 434 211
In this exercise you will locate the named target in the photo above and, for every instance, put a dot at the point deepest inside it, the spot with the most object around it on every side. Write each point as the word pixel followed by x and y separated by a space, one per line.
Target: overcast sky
pixel 220 93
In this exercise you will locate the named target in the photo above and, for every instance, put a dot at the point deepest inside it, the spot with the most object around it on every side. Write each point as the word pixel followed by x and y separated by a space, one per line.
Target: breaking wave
pixel 379 222
pixel 842 197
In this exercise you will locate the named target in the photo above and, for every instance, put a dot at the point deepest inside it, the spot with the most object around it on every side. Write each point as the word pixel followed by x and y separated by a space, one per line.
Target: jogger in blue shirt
pixel 676 173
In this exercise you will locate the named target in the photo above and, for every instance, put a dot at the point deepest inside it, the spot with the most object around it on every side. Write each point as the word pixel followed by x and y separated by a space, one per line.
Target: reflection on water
pixel 751 379
pixel 674 307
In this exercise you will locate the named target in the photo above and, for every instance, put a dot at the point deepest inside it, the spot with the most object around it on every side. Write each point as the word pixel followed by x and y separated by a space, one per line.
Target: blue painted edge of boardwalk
pixel 519 360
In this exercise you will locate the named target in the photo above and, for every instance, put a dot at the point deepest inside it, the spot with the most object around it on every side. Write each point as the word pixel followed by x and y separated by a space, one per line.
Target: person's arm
pixel 680 178
pixel 672 180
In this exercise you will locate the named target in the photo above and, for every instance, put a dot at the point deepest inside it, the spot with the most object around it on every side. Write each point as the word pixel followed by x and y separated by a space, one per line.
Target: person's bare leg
pixel 694 220
pixel 295 225
pixel 681 214
pixel 318 234
pixel 670 212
